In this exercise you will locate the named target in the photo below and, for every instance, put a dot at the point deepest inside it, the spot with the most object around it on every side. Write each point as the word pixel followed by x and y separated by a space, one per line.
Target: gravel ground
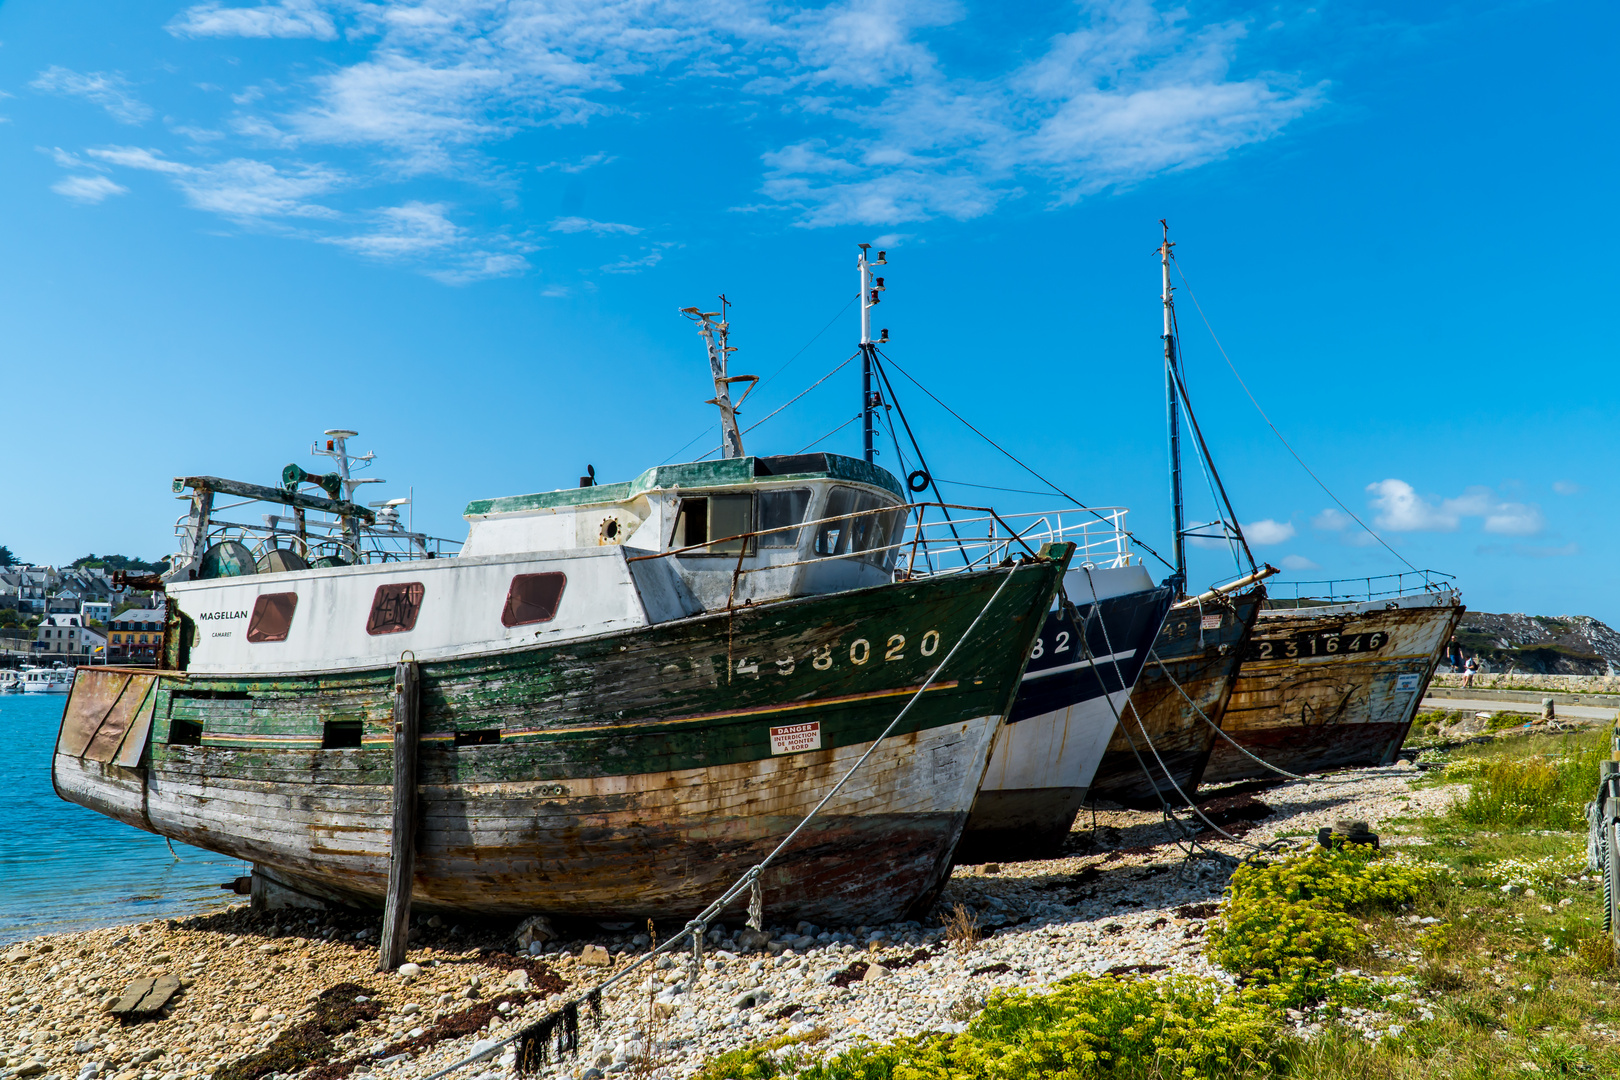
pixel 1122 898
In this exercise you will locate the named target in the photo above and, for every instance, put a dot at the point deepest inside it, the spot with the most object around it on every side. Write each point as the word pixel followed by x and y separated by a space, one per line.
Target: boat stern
pixel 101 748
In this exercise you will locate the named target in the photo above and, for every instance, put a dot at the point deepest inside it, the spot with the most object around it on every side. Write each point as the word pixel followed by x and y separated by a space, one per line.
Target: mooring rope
pixel 1234 742
pixel 536 1037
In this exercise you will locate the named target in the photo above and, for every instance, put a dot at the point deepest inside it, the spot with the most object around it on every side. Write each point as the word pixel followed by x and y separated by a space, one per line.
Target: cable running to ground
pixel 1253 401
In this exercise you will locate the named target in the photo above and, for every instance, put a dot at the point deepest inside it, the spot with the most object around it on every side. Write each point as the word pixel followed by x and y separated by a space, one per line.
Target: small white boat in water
pixel 45 680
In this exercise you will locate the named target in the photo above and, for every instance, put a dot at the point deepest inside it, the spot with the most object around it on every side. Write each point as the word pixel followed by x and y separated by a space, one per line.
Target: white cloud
pixel 600 228
pixel 1298 562
pixel 1401 509
pixel 107 89
pixel 288 19
pixel 423 235
pixel 590 161
pixel 242 188
pixel 1267 531
pixel 634 266
pixel 1566 487
pixel 1331 520
pixel 87 189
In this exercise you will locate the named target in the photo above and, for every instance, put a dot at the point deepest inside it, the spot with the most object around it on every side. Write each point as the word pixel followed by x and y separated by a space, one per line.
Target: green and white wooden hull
pixel 626 774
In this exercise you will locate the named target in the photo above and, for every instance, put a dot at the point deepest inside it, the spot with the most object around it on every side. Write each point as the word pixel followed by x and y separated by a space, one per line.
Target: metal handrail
pixel 1329 591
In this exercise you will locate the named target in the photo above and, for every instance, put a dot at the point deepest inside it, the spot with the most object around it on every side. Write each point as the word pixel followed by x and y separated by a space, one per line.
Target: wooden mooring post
pixel 402 853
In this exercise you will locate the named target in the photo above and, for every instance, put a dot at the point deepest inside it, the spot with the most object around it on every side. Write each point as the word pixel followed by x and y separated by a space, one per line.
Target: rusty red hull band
pixel 625 775
pixel 1204 661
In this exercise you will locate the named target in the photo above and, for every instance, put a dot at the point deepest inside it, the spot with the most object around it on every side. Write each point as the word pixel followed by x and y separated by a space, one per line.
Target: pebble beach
pixel 1124 897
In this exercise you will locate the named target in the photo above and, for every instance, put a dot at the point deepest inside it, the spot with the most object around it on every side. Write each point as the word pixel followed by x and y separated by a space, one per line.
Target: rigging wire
pixel 992 487
pixel 1253 401
pixel 790 401
pixel 773 375
pixel 829 434
pixel 1015 460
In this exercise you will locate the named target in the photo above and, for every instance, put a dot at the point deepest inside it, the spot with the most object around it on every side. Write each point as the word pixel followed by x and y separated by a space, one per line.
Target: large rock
pixel 144 997
pixel 595 956
pixel 536 928
pixel 750 940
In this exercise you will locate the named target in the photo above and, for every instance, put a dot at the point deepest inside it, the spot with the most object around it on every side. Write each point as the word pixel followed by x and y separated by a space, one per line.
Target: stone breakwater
pixel 1123 900
pixel 1572 684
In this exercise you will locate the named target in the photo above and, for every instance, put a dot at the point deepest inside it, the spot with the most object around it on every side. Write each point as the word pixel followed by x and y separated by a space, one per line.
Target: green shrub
pixel 1532 792
pixel 1084 1027
pixel 1287 925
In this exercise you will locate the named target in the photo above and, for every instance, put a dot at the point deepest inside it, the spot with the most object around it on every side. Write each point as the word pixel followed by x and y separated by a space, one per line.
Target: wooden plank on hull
pixel 402 835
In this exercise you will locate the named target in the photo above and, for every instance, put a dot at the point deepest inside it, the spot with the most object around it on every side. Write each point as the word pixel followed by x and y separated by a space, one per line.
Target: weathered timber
pixel 1204 661
pixel 1079 677
pixel 629 774
pixel 402 836
pixel 1333 686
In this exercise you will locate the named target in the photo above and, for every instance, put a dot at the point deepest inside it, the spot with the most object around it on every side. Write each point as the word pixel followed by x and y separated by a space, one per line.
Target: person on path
pixel 1468 671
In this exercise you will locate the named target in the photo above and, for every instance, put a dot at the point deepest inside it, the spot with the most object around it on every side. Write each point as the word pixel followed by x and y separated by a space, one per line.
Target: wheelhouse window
pixel 717 517
pixel 272 617
pixel 533 598
pixel 851 528
pixel 779 509
pixel 394 608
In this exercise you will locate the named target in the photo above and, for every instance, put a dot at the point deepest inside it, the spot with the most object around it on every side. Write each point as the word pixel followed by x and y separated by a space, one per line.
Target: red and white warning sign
pixel 1211 622
pixel 796 738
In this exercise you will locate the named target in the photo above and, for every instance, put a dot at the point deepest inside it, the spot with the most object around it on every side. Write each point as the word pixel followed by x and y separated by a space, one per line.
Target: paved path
pixel 1563 712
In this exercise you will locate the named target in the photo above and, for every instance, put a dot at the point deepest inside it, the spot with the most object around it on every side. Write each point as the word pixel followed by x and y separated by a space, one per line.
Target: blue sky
pixel 466 228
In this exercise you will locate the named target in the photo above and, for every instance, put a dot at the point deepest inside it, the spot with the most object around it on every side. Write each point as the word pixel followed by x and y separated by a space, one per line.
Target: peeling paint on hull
pixel 633 776
pixel 1204 662
pixel 1332 711
pixel 1067 709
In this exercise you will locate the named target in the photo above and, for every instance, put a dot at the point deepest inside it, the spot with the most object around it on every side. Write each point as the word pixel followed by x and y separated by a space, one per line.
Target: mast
pixel 870 289
pixel 715 337
pixel 1177 508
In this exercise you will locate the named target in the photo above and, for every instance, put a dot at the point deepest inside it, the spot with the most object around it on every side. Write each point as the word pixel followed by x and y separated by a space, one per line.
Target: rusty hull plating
pixel 1204 660
pixel 1332 686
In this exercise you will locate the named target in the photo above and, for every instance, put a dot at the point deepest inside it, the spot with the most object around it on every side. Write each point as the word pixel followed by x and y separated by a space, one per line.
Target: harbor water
pixel 63 867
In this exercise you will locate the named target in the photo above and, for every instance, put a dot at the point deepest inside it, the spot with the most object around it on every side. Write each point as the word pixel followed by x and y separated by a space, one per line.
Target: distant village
pixel 78 614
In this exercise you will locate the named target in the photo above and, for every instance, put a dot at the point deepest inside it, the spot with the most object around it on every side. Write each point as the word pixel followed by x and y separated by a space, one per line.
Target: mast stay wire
pixel 1137 540
pixel 827 436
pixel 1203 447
pixel 921 462
pixel 1286 445
pixel 790 401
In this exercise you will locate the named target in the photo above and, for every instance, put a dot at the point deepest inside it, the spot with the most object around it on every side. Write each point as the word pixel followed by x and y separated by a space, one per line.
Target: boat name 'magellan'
pixel 208 615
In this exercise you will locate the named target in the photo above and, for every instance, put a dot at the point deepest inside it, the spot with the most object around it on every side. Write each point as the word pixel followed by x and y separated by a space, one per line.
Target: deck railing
pixel 1358 590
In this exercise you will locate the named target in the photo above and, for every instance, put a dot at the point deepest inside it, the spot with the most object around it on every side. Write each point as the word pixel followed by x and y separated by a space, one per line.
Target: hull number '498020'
pixel 1321 643
pixel 861 651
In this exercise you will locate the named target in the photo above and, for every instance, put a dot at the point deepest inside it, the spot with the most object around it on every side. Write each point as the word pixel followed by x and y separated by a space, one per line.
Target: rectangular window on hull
pixel 394 608
pixel 479 737
pixel 778 509
pixel 714 517
pixel 868 535
pixel 272 617
pixel 533 598
pixel 185 733
pixel 340 735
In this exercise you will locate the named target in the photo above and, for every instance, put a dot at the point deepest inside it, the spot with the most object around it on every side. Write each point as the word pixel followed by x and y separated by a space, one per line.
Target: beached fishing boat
pixel 1166 732
pixel 1082 669
pixel 1330 681
pixel 1162 745
pixel 629 693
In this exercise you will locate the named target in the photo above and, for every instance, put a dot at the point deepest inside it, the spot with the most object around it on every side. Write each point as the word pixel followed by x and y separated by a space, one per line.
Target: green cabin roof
pixel 727 472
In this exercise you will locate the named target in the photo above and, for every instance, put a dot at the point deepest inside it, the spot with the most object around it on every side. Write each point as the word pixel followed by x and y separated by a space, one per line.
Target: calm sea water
pixel 63 867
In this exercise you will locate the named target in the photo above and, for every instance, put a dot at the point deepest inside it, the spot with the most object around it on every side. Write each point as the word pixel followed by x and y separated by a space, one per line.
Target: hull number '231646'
pixel 1322 643
pixel 861 651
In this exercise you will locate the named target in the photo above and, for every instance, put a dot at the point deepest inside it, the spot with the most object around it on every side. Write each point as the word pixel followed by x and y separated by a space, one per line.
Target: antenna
pixel 871 295
pixel 1171 378
pixel 716 336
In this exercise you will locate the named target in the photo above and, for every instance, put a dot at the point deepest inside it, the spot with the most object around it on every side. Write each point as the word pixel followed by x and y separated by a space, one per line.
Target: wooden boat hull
pixel 627 775
pixel 1069 705
pixel 1332 687
pixel 1166 733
